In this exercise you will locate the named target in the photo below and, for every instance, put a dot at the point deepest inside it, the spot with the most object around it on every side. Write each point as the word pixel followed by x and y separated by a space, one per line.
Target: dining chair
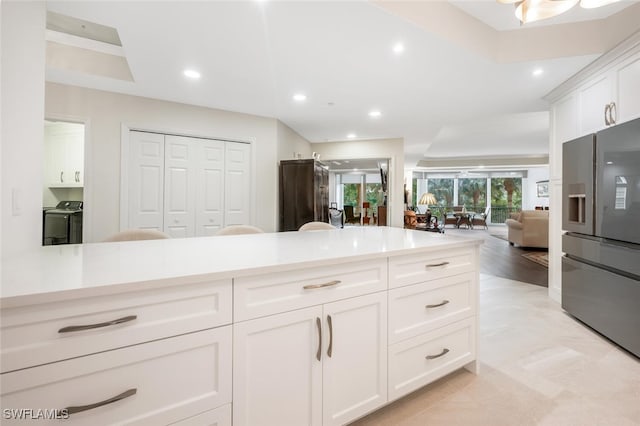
pixel 239 229
pixel 136 235
pixel 316 226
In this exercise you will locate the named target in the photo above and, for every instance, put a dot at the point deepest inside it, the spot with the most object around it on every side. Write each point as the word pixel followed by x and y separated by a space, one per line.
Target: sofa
pixel 529 228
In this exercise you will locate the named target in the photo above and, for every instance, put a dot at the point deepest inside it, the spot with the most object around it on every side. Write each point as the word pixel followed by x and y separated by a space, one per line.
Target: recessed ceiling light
pixel 537 72
pixel 398 48
pixel 609 162
pixel 191 74
pixel 481 166
pixel 299 97
pixel 351 135
pixel 375 114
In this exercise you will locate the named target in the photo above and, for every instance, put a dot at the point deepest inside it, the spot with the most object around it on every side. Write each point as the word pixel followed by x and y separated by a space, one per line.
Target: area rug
pixel 539 257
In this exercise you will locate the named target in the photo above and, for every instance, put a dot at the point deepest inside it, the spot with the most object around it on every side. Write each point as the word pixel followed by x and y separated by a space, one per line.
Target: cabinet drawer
pixel 40 334
pixel 285 291
pixel 221 416
pixel 419 308
pixel 451 347
pixel 414 269
pixel 168 380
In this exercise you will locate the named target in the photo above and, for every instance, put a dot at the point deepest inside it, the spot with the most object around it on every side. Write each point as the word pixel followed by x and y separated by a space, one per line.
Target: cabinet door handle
pixel 444 352
pixel 444 302
pixel 607 120
pixel 613 113
pixel 61 177
pixel 330 348
pixel 80 408
pixel 73 328
pixel 435 265
pixel 319 352
pixel 314 286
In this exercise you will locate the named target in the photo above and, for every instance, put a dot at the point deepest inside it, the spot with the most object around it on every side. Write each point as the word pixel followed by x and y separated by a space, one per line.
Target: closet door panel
pixel 209 187
pixel 179 186
pixel 237 185
pixel 146 180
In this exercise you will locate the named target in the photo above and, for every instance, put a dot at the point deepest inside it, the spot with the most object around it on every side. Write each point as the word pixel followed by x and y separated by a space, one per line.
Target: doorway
pixel 63 182
pixel 361 186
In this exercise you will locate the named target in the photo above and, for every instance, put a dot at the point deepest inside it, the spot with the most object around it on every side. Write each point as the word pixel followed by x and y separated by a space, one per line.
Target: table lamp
pixel 427 198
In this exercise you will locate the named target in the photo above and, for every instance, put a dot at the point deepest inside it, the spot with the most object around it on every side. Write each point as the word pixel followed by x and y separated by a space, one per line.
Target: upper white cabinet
pixel 595 99
pixel 64 154
pixel 610 98
pixel 627 89
pixel 592 101
pixel 186 186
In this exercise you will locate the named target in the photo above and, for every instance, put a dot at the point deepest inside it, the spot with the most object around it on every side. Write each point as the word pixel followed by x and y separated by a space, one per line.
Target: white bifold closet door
pixel 237 184
pixel 146 181
pixel 188 186
pixel 210 187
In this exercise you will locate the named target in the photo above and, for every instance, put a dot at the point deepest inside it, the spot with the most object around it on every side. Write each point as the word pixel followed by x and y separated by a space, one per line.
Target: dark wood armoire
pixel 304 193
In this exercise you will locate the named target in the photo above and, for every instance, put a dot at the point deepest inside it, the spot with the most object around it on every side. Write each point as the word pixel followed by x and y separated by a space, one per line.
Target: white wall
pixel 23 64
pixel 105 112
pixel 290 142
pixel 379 148
pixel 530 197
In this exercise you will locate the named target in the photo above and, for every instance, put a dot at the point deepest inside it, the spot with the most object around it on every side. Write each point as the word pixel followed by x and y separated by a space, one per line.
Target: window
pixel 506 197
pixel 472 193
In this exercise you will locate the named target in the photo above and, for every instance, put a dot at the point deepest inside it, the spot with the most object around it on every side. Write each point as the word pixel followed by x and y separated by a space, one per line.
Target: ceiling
pixel 463 87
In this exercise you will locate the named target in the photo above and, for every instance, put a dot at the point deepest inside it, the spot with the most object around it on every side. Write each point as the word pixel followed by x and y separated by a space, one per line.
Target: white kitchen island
pixel 292 328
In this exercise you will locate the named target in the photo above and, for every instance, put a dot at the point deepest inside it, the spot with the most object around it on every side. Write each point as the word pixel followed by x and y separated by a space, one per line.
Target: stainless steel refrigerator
pixel 601 214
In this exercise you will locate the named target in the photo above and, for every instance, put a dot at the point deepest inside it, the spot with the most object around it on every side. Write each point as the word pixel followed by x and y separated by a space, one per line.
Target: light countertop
pixel 62 272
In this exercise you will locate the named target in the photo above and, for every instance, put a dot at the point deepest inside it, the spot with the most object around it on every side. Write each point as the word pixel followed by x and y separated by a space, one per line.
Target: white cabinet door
pixel 179 186
pixel 628 89
pixel 146 181
pixel 594 96
pixel 237 184
pixel 74 161
pixel 209 187
pixel 64 155
pixel 355 358
pixel 277 373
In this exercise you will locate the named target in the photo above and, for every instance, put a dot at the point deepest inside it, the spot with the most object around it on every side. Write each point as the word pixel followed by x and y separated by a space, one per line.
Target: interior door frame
pixel 87 188
pixel 125 144
pixel 391 177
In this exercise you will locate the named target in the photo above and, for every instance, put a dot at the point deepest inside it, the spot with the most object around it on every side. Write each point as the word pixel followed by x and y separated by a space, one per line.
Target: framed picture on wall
pixel 543 188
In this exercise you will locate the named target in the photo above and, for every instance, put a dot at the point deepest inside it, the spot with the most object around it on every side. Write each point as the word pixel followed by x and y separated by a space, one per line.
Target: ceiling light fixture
pixel 536 10
pixel 398 48
pixel 193 74
pixel 375 114
pixel 537 72
pixel 299 97
pixel 351 135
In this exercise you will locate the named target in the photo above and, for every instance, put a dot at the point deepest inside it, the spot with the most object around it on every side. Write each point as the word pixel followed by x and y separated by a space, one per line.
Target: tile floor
pixel 538 366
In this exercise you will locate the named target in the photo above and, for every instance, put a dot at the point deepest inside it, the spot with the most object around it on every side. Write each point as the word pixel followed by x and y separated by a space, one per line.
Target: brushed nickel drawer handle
pixel 319 352
pixel 607 120
pixel 330 348
pixel 73 328
pixel 444 352
pixel 444 302
pixel 80 408
pixel 435 265
pixel 314 286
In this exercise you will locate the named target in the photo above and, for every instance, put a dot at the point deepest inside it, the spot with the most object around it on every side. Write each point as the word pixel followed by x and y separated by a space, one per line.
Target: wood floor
pixel 499 258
